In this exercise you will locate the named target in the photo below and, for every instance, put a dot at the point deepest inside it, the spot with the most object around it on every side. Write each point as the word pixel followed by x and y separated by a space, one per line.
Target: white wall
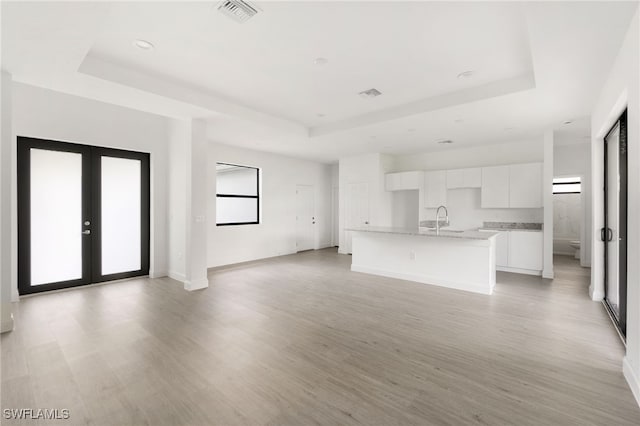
pixel 405 207
pixel 179 132
pixel 621 89
pixel 573 160
pixel 276 233
pixel 46 114
pixel 530 151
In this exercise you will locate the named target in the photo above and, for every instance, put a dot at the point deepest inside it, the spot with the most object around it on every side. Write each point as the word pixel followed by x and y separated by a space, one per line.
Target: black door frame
pixel 91 211
pixel 606 234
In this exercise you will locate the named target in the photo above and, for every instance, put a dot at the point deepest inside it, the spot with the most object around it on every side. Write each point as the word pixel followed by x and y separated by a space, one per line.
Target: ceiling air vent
pixel 371 93
pixel 238 10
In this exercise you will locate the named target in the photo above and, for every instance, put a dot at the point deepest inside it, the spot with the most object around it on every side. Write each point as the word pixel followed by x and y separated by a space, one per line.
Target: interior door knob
pixel 86 231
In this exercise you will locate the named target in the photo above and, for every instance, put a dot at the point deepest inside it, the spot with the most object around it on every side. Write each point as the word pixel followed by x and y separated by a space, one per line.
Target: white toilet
pixel 576 246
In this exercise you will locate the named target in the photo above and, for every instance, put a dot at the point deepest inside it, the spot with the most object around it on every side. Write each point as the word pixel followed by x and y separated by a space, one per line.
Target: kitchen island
pixel 464 260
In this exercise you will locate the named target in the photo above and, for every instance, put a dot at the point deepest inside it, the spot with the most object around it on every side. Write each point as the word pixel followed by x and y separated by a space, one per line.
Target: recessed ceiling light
pixel 143 44
pixel 445 141
pixel 568 122
pixel 321 115
pixel 320 61
pixel 466 74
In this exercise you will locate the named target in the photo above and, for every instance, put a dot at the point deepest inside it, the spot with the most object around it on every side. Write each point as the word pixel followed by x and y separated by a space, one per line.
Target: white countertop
pixel 423 232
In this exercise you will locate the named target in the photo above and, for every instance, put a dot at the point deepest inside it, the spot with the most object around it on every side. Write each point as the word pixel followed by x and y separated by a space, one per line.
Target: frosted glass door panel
pixel 56 216
pixel 121 215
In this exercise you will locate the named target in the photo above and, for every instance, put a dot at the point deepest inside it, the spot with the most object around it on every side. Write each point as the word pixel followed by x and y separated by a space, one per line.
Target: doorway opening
pixel 83 214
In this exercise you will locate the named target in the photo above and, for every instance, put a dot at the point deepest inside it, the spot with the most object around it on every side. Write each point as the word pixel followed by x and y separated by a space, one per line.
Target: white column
pixel 187 203
pixel 547 194
pixel 197 184
pixel 6 264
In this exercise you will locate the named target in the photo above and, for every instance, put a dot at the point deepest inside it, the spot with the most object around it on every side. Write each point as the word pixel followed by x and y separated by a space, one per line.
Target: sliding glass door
pixel 83 214
pixel 614 233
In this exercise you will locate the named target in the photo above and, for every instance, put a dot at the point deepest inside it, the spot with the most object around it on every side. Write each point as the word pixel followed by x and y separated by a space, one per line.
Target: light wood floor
pixel 301 340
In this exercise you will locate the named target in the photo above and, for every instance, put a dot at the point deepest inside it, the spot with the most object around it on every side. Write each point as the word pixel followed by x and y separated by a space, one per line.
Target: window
pixel 566 185
pixel 237 195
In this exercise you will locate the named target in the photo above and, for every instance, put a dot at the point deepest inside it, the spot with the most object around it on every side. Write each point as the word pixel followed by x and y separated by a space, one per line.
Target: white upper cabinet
pixel 435 189
pixel 495 187
pixel 464 178
pixel 403 180
pixel 525 185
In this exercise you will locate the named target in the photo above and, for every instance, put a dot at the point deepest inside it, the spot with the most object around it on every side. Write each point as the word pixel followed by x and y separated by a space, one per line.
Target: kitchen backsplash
pixel 465 212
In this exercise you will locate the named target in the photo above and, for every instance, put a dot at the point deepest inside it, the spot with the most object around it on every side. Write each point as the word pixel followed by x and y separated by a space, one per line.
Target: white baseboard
pixel 196 284
pixel 467 286
pixel 177 276
pixel 7 325
pixel 632 379
pixel 596 296
pixel 518 270
pixel 160 274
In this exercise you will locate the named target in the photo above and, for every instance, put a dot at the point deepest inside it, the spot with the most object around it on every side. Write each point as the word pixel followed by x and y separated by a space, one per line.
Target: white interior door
pixel 356 209
pixel 305 218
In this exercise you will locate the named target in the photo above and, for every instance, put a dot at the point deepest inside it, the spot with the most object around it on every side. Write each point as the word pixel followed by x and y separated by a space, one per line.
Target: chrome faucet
pixel 446 218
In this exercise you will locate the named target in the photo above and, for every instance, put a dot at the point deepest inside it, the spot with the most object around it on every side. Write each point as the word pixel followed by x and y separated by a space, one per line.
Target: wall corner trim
pixel 158 274
pixel 196 284
pixel 632 379
pixel 177 276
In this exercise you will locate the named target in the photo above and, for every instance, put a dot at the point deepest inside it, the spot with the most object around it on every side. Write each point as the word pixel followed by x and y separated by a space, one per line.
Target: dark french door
pixel 614 233
pixel 83 214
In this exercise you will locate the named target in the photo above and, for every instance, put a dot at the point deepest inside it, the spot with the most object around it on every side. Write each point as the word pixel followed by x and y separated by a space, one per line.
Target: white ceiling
pixel 535 65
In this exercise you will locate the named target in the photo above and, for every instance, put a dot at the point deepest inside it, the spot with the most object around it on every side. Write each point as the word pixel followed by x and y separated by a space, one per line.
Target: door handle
pixel 86 232
pixel 609 234
pixel 602 237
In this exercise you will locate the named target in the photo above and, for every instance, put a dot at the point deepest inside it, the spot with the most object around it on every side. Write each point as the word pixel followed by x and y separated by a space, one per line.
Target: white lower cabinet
pixel 502 249
pixel 519 251
pixel 525 250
